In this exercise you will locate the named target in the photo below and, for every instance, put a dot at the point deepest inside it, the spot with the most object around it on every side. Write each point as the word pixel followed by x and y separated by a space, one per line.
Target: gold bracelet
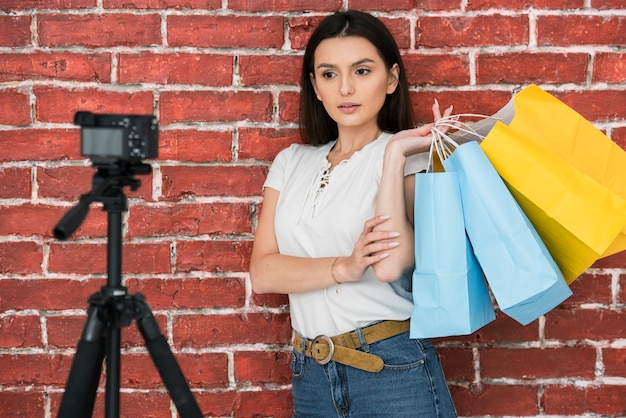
pixel 332 273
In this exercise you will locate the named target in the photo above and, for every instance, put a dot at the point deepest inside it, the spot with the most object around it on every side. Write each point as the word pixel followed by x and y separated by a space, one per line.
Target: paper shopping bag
pixel 523 276
pixel 449 291
pixel 568 177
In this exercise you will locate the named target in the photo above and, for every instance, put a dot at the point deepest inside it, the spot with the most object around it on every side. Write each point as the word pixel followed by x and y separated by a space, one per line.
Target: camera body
pixel 106 137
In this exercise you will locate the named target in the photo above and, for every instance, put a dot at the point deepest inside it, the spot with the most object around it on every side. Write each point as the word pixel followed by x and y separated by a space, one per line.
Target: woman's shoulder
pixel 300 150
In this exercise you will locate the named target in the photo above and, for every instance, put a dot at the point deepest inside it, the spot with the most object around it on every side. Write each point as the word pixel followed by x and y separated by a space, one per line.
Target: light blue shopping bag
pixel 524 279
pixel 449 291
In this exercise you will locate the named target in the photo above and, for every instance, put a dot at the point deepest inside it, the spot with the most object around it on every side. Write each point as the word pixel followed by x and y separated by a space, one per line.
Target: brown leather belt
pixel 343 348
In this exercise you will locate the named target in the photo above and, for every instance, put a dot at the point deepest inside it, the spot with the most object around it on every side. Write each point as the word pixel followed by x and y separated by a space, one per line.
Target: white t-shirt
pixel 322 216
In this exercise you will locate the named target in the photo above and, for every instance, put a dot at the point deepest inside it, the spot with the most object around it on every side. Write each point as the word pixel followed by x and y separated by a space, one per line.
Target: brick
pixel 22 403
pixel 401 31
pixel 138 371
pixel 269 70
pixel 478 102
pixel 218 403
pixel 15 183
pixel 398 5
pixel 285 5
pixel 443 70
pixel 536 363
pixel 204 370
pixel 20 257
pixel 570 400
pixel 614 360
pixel 190 220
pixel 606 4
pixel 213 106
pixel 79 258
pixel 39 144
pixel 609 68
pixel 14 108
pixel 136 404
pixel 495 400
pixel 263 367
pixel 162 4
pixel 195 145
pixel 590 288
pixel 203 69
pixel 618 135
pixel 270 300
pixel 227 31
pixel 34 369
pixel 506 329
pixel 99 30
pixel 67 183
pixel 49 294
pixel 529 68
pixel 64 332
pixel 13 220
pixel 276 403
pixel 20 331
pixel 621 297
pixel 585 324
pixel 58 105
pixel 289 106
pixel 55 66
pixel 465 31
pixel 70 182
pixel 617 260
pixel 300 30
pixel 196 331
pixel 592 104
pixel 457 363
pixel 213 256
pixel 174 293
pixel 264 144
pixel 180 182
pixel 14 30
pixel 524 4
pixel 46 4
pixel 567 30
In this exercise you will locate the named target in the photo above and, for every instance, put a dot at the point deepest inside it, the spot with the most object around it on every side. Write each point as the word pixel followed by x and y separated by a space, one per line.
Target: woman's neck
pixel 351 141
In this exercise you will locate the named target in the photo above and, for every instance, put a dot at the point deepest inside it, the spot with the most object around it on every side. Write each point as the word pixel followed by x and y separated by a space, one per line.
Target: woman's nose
pixel 346 87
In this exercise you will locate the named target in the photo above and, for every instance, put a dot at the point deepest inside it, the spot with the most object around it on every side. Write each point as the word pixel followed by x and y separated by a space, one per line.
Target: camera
pixel 106 137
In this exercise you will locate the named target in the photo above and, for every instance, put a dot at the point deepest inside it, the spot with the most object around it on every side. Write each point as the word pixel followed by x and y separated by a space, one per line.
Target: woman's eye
pixel 328 74
pixel 362 71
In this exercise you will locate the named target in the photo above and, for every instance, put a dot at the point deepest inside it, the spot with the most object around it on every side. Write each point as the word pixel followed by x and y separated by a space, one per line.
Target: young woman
pixel 336 234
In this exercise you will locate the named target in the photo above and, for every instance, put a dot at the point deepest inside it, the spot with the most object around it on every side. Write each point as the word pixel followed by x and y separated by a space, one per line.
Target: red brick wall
pixel 222 77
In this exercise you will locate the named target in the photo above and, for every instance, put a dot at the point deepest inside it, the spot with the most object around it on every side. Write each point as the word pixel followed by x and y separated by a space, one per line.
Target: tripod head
pixel 107 187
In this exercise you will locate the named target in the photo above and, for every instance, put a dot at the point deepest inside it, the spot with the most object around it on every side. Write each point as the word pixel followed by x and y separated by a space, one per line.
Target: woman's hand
pixel 371 247
pixel 414 141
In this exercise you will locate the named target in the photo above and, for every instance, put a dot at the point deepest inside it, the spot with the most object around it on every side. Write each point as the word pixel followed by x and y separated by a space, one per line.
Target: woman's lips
pixel 348 107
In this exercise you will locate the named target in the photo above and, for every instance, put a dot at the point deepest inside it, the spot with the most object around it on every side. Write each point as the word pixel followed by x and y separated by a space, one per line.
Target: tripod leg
pixel 82 383
pixel 165 362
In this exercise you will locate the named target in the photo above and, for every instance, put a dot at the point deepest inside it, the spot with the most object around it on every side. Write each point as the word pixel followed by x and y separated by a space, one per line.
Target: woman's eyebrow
pixel 356 64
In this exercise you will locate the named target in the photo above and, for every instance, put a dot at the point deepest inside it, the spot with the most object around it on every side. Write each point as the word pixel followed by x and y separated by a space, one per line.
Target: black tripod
pixel 113 308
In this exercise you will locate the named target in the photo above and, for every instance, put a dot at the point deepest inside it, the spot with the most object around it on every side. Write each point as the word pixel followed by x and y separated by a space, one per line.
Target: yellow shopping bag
pixel 568 177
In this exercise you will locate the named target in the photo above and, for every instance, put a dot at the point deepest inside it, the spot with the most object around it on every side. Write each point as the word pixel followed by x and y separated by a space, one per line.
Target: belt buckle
pixel 331 349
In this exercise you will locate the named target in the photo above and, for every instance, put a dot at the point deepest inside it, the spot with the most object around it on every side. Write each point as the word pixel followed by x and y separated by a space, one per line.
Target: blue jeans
pixel 411 384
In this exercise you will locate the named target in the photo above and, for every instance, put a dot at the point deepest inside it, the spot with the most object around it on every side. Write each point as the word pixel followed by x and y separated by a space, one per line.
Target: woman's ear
pixel 312 78
pixel 394 78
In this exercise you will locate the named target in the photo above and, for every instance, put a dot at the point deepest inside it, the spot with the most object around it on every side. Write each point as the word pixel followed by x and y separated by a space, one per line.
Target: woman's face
pixel 351 80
